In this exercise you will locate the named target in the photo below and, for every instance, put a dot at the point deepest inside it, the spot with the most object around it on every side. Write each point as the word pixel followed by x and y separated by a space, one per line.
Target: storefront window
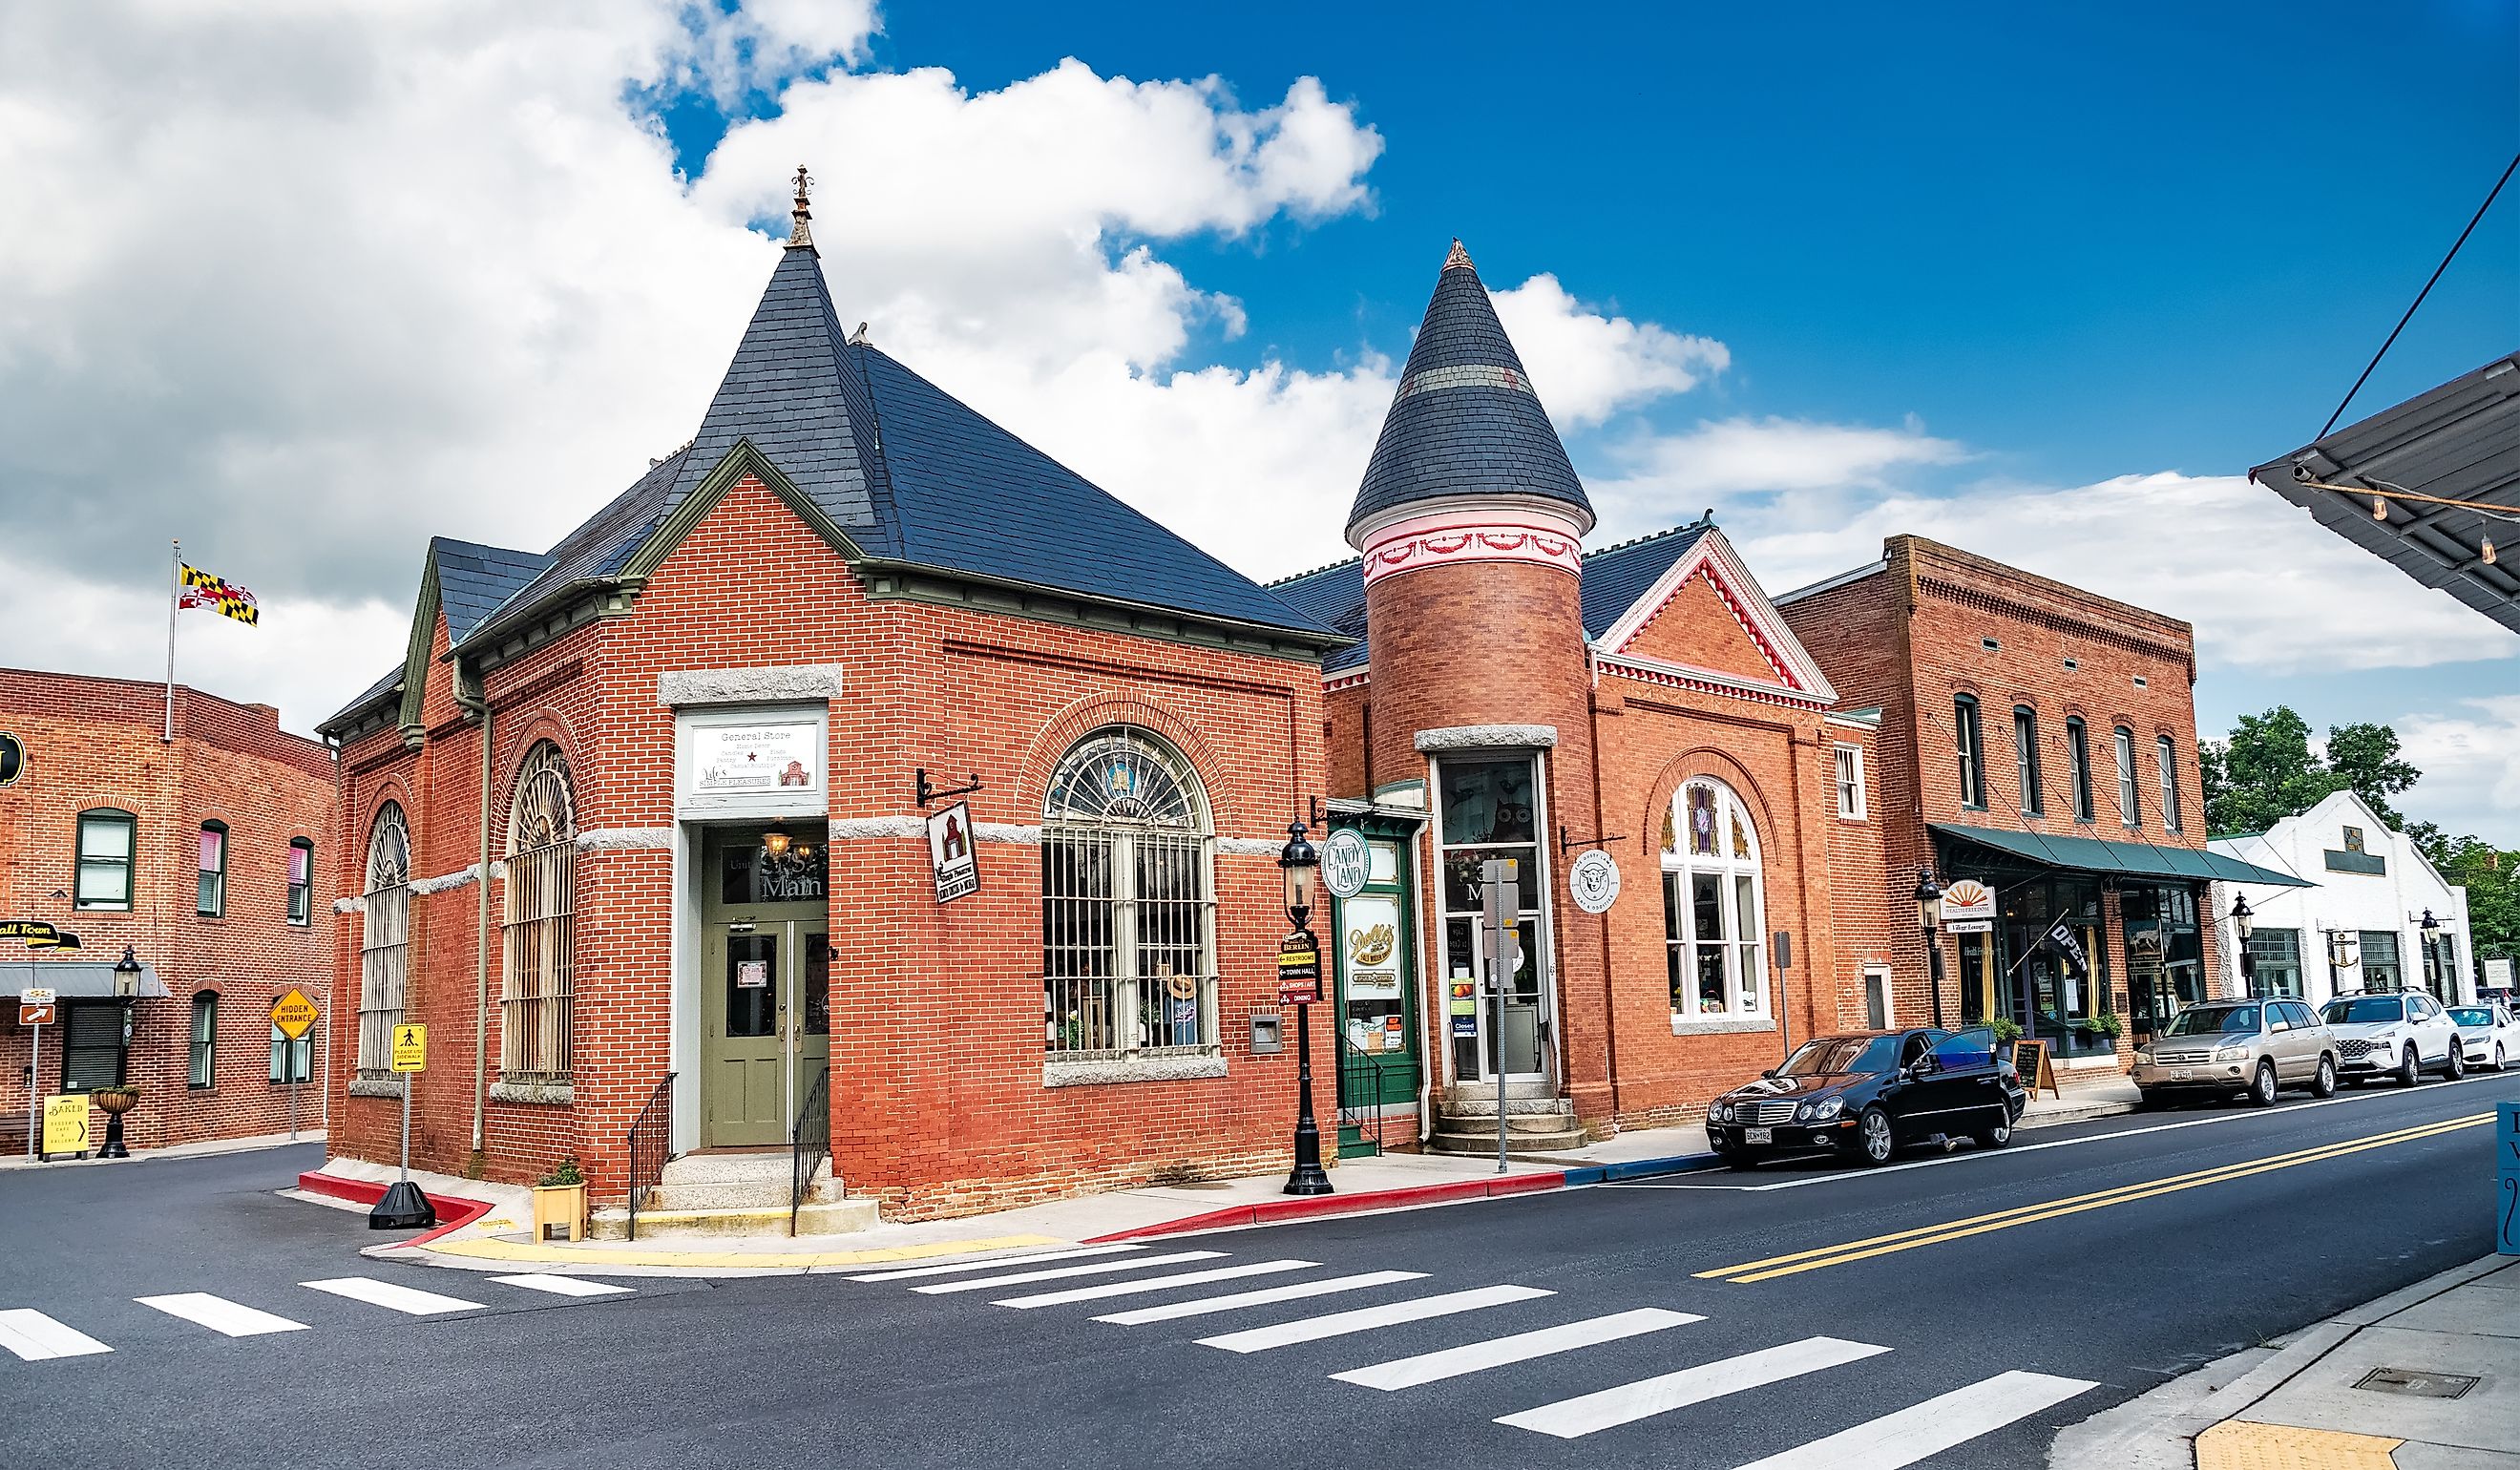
pixel 2164 953
pixel 1490 810
pixel 1713 907
pixel 2380 968
pixel 2274 961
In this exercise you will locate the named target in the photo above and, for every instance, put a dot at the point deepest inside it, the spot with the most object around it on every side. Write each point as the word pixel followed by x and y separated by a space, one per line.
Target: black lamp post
pixel 126 988
pixel 1301 866
pixel 2242 921
pixel 2430 929
pixel 1929 899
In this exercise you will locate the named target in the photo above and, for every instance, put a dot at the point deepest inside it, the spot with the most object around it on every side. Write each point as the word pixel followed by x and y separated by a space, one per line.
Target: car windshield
pixel 1844 1054
pixel 2472 1015
pixel 2366 1010
pixel 2205 1020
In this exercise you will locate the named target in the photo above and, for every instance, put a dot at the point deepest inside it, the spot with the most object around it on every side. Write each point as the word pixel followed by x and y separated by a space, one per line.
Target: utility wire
pixel 2420 295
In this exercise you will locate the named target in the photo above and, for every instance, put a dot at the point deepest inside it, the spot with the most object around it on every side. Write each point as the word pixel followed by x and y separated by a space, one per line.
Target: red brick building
pixel 202 858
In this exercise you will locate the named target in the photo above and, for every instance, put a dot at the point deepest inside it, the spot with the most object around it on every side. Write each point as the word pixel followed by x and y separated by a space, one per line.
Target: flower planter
pixel 559 1212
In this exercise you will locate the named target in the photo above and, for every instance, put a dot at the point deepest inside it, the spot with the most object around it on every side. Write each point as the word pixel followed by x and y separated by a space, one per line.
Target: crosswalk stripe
pixel 993 1263
pixel 220 1315
pixel 1201 1305
pixel 1573 1418
pixel 1340 1323
pixel 1154 1284
pixel 1091 1269
pixel 1472 1357
pixel 562 1286
pixel 1929 1428
pixel 408 1299
pixel 33 1336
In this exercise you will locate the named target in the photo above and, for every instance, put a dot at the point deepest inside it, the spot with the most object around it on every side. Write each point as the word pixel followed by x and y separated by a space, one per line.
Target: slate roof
pixel 1333 597
pixel 474 579
pixel 1465 418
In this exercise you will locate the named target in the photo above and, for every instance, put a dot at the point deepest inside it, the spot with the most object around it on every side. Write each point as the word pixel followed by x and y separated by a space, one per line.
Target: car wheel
pixel 2262 1087
pixel 1998 1135
pixel 1873 1132
pixel 2410 1068
pixel 2455 1066
pixel 2499 1062
pixel 2325 1084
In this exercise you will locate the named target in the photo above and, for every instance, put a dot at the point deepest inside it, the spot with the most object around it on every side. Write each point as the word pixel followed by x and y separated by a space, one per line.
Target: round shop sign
pixel 1595 881
pixel 1344 863
pixel 13 758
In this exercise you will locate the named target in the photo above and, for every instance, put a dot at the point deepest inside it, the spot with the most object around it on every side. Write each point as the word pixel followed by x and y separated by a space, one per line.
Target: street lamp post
pixel 126 988
pixel 1929 897
pixel 2241 924
pixel 2430 930
pixel 1301 866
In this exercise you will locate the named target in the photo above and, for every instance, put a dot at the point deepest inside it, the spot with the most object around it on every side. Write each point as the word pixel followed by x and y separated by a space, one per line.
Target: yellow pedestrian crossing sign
pixel 411 1048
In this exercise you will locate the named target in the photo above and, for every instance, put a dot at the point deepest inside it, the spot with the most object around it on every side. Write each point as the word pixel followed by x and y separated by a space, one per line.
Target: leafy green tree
pixel 2265 772
pixel 2364 757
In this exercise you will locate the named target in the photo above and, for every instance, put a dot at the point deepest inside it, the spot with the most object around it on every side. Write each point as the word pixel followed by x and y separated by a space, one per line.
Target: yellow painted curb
pixel 482 1249
pixel 2238 1445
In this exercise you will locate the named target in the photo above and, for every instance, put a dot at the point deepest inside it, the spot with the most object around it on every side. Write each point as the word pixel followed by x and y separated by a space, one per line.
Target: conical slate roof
pixel 1465 420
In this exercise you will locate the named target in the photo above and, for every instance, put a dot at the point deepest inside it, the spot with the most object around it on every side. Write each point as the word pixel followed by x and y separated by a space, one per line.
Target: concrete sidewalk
pixel 245 1145
pixel 2427 1378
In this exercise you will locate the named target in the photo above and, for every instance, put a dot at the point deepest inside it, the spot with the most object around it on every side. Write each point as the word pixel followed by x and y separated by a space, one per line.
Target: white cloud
pixel 2471 762
pixel 1587 366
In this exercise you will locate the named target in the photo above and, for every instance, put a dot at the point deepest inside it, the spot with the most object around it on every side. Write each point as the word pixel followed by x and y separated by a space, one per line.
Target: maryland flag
pixel 203 589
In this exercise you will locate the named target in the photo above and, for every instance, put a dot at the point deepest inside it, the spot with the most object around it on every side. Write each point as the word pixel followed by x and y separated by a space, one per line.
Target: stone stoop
pixel 705 1194
pixel 1535 1121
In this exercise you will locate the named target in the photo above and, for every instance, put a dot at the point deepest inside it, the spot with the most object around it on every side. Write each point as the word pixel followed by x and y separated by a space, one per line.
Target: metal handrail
pixel 651 1140
pixel 1354 1114
pixel 813 1143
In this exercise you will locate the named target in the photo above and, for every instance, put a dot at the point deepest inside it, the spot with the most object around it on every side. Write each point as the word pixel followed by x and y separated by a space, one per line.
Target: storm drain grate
pixel 2417 1382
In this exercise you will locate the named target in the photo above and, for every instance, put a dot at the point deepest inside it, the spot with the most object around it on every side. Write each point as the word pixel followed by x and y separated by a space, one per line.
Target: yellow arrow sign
pixel 411 1047
pixel 294 1014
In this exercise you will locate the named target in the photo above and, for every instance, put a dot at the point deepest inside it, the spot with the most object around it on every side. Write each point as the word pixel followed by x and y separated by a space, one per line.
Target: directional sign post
pixel 404 1206
pixel 1500 898
pixel 292 1015
pixel 34 1007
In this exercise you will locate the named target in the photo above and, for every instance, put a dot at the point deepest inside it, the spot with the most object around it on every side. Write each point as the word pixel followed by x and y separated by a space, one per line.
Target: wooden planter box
pixel 560 1207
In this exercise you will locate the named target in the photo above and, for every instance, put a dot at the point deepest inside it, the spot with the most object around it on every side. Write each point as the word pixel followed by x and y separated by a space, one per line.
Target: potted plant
pixel 2108 1024
pixel 560 1200
pixel 2007 1030
pixel 115 1101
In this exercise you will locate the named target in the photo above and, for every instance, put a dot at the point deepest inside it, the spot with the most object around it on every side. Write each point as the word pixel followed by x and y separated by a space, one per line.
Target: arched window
pixel 1714 906
pixel 2166 757
pixel 2130 794
pixel 2025 760
pixel 1971 743
pixel 1127 901
pixel 384 939
pixel 535 986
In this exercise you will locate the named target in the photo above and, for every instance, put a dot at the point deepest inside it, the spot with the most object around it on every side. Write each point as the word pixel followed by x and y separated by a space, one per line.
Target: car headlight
pixel 1721 1112
pixel 2230 1054
pixel 1828 1107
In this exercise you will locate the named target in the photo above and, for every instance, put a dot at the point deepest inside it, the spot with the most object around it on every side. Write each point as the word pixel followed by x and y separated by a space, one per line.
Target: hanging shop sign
pixel 950 852
pixel 12 759
pixel 1346 863
pixel 1299 968
pixel 1595 881
pixel 1968 907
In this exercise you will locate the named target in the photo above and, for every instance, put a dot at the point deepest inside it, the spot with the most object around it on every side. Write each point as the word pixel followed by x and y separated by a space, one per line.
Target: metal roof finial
pixel 1460 257
pixel 801 234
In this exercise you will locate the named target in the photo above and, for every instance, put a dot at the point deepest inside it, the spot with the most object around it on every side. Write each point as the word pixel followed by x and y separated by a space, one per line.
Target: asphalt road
pixel 1974 1301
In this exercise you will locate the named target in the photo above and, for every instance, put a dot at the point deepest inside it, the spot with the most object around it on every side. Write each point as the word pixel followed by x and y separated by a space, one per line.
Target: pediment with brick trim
pixel 1706 613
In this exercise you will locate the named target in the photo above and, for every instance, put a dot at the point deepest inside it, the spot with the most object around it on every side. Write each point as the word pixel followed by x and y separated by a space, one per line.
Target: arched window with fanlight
pixel 537 970
pixel 1714 905
pixel 1127 901
pixel 385 938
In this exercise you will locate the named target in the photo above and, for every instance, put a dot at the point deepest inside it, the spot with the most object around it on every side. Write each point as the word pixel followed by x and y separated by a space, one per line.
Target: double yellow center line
pixel 2004 1220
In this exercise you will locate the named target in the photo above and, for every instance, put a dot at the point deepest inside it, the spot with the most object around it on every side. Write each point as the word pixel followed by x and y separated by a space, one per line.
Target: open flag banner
pixel 204 590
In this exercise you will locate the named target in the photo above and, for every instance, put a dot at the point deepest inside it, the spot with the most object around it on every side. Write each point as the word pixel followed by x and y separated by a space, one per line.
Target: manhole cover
pixel 2418 1381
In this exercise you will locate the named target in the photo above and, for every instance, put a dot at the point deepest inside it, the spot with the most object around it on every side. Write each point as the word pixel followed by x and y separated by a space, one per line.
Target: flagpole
pixel 174 593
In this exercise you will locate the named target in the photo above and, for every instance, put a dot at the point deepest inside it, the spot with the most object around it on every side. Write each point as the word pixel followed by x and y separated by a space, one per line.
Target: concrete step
pixel 834 1218
pixel 1517 1125
pixel 1517 1143
pixel 713 1168
pixel 1484 1106
pixel 740 1194
pixel 1513 1088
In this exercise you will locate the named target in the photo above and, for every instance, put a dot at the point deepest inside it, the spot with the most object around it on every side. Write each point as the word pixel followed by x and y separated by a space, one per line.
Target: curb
pixel 453 1214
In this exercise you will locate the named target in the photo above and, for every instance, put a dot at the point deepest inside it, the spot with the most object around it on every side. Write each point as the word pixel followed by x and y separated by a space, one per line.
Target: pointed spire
pixel 800 235
pixel 1465 421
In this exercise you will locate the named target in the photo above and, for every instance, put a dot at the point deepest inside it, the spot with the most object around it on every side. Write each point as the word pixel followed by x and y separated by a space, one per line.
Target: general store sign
pixel 950 853
pixel 740 760
pixel 1968 907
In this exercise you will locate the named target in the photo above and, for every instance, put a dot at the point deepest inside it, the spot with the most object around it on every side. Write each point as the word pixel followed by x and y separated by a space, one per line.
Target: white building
pixel 2361 928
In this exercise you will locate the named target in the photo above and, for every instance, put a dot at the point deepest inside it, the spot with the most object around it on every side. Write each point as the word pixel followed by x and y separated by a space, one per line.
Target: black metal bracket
pixel 1569 844
pixel 928 795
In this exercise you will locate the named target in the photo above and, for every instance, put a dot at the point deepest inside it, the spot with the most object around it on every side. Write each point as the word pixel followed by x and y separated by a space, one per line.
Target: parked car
pixel 2223 1047
pixel 1867 1093
pixel 2490 1033
pixel 2398 1035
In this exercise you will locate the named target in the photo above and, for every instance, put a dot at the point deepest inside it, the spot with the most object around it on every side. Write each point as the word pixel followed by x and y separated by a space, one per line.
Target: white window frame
pixel 2165 754
pixel 1849 773
pixel 2130 789
pixel 537 970
pixel 1739 952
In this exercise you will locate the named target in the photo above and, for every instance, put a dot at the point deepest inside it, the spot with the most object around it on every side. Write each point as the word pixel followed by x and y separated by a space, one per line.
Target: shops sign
pixel 950 852
pixel 1346 863
pixel 1299 968
pixel 1968 907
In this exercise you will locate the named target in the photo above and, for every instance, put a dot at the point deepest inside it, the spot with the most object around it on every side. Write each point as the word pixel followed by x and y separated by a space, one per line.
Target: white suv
pixel 2400 1036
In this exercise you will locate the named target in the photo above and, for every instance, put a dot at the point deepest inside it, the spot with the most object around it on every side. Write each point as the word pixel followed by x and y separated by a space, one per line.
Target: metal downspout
pixel 481 950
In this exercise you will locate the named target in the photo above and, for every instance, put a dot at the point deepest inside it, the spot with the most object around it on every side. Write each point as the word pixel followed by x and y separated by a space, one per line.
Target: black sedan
pixel 1865 1094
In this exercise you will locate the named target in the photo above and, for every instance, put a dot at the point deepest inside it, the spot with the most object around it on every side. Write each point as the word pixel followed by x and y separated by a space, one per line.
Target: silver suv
pixel 2226 1047
pixel 2400 1035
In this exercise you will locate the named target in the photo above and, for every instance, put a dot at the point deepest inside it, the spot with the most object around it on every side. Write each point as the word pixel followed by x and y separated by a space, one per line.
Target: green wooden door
pixel 1377 944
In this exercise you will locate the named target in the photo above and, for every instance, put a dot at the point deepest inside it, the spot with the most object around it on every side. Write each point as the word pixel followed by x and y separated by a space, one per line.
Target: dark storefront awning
pixel 75 979
pixel 2123 860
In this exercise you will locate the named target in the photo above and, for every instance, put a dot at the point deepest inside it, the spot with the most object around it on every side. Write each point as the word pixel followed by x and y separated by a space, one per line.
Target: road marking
pixel 563 1286
pixel 1152 1283
pixel 1919 1430
pixel 1521 1347
pixel 994 1262
pixel 1573 1418
pixel 1850 1176
pixel 2021 1215
pixel 33 1336
pixel 1094 1269
pixel 378 1293
pixel 1201 1305
pixel 1340 1323
pixel 220 1315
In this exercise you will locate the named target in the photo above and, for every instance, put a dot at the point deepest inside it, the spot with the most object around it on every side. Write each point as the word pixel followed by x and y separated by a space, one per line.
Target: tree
pixel 2266 770
pixel 2364 757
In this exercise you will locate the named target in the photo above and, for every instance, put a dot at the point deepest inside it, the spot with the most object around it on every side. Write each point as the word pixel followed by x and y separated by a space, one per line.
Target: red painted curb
pixel 453 1214
pixel 1269 1212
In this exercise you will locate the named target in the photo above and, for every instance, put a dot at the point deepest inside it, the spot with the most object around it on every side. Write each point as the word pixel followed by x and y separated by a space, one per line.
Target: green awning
pixel 2124 859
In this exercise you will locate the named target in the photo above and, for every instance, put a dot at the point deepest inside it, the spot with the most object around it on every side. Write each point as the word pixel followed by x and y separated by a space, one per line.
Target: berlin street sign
pixel 1299 968
pixel 293 1014
pixel 411 1047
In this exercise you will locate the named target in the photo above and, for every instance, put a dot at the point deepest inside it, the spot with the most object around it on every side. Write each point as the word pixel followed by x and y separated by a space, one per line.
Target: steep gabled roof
pixel 474 579
pixel 1465 420
pixel 1332 597
pixel 1616 576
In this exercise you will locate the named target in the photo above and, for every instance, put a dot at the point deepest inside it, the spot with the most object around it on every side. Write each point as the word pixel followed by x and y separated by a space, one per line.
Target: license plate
pixel 1758 1136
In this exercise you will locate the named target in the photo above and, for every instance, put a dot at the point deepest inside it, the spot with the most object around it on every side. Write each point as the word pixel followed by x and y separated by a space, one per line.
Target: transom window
pixel 1714 906
pixel 538 938
pixel 1128 909
pixel 104 878
pixel 384 939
